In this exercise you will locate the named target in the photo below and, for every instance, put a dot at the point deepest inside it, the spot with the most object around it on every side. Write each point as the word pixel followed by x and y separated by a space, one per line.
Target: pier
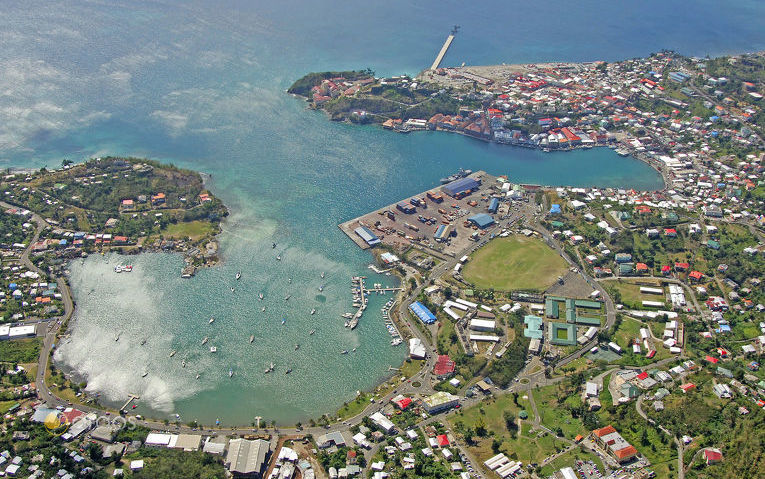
pixel 131 398
pixel 443 51
pixel 360 293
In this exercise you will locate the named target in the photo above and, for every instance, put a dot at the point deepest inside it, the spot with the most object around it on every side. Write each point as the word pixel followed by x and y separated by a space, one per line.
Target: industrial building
pixel 423 313
pixel 247 458
pixel 366 234
pixel 481 220
pixel 461 187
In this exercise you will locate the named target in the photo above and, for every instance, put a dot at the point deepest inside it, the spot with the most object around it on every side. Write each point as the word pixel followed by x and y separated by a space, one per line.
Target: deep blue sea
pixel 201 84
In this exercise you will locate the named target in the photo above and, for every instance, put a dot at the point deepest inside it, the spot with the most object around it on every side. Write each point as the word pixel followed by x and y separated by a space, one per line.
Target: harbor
pixel 444 219
pixel 360 295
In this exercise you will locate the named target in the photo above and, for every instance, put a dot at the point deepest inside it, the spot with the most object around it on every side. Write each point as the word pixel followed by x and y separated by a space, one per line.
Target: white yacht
pixel 278 257
pixel 213 349
pixel 204 341
pixel 197 376
pixel 232 289
pixel 260 296
pixel 212 320
pixel 284 321
pixel 322 275
pixel 313 311
pixel 172 353
pixel 269 368
pixel 252 338
pixel 238 275
pixel 287 297
pixel 263 309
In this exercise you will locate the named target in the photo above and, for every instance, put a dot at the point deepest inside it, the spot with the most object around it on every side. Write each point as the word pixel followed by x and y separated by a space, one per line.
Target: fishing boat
pixel 172 353
pixel 313 311
pixel 213 349
pixel 353 323
pixel 289 370
pixel 260 296
pixel 344 351
pixel 204 341
pixel 212 320
pixel 238 275
pixel 310 333
pixel 230 372
pixel 287 297
pixel 183 363
pixel 145 373
pixel 252 338
pixel 284 321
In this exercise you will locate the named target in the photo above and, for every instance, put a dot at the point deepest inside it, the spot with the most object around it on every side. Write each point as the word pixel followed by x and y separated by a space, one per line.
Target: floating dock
pixel 443 51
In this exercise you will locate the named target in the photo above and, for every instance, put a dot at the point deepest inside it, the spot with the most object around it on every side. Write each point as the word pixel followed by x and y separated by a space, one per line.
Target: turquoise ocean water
pixel 202 85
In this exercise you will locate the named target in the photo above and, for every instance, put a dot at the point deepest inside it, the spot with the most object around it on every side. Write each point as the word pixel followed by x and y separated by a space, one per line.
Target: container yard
pixel 445 219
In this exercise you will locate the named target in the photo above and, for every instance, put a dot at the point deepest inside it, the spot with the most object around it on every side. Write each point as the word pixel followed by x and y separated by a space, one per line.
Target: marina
pixel 360 294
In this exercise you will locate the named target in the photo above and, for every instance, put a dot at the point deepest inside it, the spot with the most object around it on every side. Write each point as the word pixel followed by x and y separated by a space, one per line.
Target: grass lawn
pixel 6 405
pixel 20 350
pixel 515 262
pixel 354 407
pixel 445 339
pixel 628 330
pixel 412 367
pixel 553 415
pixel 631 295
pixel 193 229
pixel 567 460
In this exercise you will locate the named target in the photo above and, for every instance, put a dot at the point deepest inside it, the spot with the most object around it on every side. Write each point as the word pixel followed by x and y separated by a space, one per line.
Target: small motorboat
pixel 353 350
pixel 145 373
pixel 344 351
pixel 230 372
pixel 172 353
pixel 252 338
pixel 197 376
pixel 297 346
pixel 313 311
pixel 287 297
pixel 260 296
pixel 212 320
pixel 278 257
pixel 322 275
pixel 143 341
pixel 311 332
pixel 204 341
pixel 213 349
pixel 284 321
pixel 232 289
pixel 183 363
pixel 117 338
pixel 238 275
pixel 321 288
pixel 289 370
pixel 263 309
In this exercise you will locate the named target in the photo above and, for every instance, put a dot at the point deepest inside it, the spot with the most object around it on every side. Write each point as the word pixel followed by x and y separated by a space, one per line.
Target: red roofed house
pixel 158 199
pixel 443 441
pixel 712 455
pixel 613 443
pixel 402 402
pixel 444 367
pixel 671 232
pixel 711 359
pixel 696 275
pixel 687 387
pixel 642 375
pixel 641 268
pixel 666 270
pixel 128 204
pixel 682 266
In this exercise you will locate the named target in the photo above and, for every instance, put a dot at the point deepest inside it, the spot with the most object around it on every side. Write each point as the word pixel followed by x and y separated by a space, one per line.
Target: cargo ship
pixel 460 174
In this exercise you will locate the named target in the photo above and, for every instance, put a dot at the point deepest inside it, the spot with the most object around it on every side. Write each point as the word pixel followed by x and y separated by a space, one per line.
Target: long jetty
pixel 443 51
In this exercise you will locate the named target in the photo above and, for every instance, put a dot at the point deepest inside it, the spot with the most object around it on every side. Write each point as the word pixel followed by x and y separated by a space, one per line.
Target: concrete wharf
pixel 131 398
pixel 443 51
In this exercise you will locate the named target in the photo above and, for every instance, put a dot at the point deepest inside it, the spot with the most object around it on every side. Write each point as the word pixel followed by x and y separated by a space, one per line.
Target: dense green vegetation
pixel 11 228
pixel 503 370
pixel 20 351
pixel 303 85
pixel 176 464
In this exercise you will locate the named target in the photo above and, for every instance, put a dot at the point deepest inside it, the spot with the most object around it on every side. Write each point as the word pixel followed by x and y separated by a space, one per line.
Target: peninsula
pixel 650 108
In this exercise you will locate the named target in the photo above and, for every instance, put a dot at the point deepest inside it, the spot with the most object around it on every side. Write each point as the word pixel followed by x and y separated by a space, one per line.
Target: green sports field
pixel 515 262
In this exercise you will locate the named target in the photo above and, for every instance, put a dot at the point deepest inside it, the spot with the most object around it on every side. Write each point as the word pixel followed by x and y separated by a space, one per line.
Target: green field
pixel 20 350
pixel 631 296
pixel 193 230
pixel 515 262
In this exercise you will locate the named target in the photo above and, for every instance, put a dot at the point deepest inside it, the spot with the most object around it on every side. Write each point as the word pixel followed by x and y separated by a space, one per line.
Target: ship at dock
pixel 460 174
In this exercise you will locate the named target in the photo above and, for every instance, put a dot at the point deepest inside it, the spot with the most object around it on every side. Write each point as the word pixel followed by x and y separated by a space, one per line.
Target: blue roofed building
pixel 482 220
pixel 366 234
pixel 461 187
pixel 423 313
pixel 493 205
pixel 555 209
pixel 534 327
